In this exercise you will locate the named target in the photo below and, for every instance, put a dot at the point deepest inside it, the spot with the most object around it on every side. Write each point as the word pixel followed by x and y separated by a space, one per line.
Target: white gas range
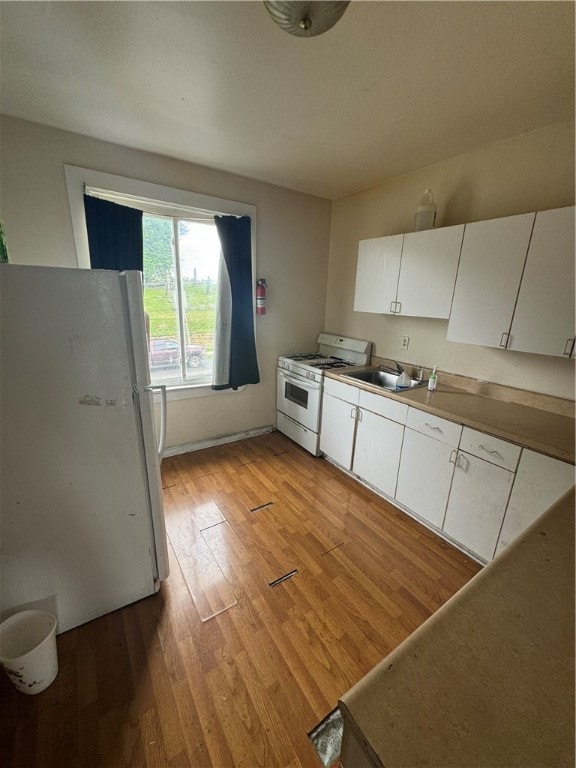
pixel 299 385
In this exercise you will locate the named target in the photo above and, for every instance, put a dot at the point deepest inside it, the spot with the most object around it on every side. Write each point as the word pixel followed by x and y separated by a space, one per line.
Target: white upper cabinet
pixel 544 315
pixel 377 274
pixel 491 264
pixel 428 272
pixel 412 274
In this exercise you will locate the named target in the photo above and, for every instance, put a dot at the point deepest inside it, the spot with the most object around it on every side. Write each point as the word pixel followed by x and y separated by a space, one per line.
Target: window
pixel 181 268
pixel 181 264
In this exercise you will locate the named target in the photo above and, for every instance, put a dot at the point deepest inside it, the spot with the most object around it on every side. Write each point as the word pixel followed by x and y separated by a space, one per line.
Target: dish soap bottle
pixel 425 216
pixel 433 380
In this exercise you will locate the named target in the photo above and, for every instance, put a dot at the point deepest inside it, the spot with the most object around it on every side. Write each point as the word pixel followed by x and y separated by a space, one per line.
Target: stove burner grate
pixel 302 357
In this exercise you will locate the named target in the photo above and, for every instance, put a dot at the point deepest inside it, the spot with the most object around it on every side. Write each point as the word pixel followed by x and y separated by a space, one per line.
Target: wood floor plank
pixel 214 739
pixel 270 722
pixel 168 727
pixel 170 681
pixel 207 584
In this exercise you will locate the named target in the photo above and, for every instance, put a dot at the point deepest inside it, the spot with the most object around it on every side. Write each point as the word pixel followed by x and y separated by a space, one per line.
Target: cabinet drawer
pixel 492 449
pixel 383 406
pixel 343 391
pixel 445 431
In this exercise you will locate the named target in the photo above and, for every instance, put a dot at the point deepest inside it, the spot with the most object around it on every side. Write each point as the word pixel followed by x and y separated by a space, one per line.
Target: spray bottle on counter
pixel 433 379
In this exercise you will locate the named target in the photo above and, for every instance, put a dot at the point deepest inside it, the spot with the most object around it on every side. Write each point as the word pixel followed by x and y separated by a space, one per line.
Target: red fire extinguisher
pixel 261 297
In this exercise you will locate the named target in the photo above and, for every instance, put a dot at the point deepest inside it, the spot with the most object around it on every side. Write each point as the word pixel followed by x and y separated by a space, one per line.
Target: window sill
pixel 189 392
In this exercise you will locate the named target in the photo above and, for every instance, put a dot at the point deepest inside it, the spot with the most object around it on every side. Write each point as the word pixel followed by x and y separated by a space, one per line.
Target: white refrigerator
pixel 81 520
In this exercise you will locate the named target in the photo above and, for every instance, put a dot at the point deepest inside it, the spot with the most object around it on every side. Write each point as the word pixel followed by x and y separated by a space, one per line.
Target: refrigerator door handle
pixel 163 410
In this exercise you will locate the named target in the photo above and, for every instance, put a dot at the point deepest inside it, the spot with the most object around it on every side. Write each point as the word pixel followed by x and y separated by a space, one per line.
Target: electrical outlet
pixel 405 340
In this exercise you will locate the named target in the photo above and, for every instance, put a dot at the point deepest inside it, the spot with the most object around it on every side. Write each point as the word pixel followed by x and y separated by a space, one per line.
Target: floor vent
pixel 283 578
pixel 340 544
pixel 262 506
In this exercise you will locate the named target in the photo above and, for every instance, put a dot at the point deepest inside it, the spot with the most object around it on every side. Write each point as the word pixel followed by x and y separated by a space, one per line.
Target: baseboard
pixel 175 450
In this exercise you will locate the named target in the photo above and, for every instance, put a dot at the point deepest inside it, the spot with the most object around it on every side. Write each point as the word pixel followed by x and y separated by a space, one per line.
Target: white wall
pixel 531 172
pixel 292 251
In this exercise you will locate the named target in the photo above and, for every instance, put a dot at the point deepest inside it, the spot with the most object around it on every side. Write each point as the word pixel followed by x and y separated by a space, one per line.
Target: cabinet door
pixel 377 274
pixel 337 430
pixel 477 502
pixel 540 481
pixel 491 263
pixel 544 316
pixel 377 451
pixel 428 272
pixel 425 475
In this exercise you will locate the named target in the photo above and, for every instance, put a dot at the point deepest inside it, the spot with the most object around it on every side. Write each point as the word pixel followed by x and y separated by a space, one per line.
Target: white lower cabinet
pixel 338 424
pixel 378 444
pixel 540 481
pixel 377 451
pixel 483 477
pixel 425 476
pixel 477 503
pixel 479 490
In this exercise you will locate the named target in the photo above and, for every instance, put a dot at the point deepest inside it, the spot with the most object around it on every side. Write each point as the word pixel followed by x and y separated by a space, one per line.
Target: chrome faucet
pixel 398 367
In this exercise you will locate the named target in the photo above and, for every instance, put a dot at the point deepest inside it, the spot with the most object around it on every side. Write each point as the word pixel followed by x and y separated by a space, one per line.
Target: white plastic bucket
pixel 28 650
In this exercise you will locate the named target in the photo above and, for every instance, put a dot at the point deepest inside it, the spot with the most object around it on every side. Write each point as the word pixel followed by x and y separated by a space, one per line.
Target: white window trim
pixel 77 179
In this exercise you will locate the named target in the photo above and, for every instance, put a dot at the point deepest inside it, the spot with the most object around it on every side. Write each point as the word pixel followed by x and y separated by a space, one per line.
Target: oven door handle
pixel 304 383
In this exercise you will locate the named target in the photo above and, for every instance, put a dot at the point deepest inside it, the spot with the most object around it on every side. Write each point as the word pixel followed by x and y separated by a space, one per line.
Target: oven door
pixel 299 398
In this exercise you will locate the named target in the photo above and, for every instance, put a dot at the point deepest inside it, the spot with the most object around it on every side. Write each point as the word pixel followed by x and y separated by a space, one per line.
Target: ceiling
pixel 393 87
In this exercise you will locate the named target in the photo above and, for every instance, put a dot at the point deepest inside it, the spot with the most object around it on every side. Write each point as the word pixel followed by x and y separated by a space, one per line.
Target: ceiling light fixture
pixel 306 19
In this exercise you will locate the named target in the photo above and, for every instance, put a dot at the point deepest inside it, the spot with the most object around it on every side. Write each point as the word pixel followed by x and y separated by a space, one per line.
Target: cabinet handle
pixel 568 347
pixel 504 340
pixel 398 310
pixel 356 414
pixel 392 303
pixel 492 453
pixel 452 459
pixel 432 427
pixel 462 462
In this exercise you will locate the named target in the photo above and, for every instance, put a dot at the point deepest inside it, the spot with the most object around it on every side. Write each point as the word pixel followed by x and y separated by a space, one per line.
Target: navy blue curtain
pixel 240 350
pixel 114 235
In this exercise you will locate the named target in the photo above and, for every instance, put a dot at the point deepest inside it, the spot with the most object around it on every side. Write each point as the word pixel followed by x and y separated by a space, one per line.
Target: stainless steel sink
pixel 383 378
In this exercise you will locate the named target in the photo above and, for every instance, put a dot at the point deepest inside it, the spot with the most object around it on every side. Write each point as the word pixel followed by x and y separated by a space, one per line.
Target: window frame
pixel 152 198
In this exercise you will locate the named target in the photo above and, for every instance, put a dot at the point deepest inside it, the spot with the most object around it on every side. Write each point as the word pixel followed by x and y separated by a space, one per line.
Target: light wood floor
pixel 154 684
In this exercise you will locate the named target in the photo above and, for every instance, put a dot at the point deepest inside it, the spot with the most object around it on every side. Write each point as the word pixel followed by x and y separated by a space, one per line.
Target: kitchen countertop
pixel 546 431
pixel 488 680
